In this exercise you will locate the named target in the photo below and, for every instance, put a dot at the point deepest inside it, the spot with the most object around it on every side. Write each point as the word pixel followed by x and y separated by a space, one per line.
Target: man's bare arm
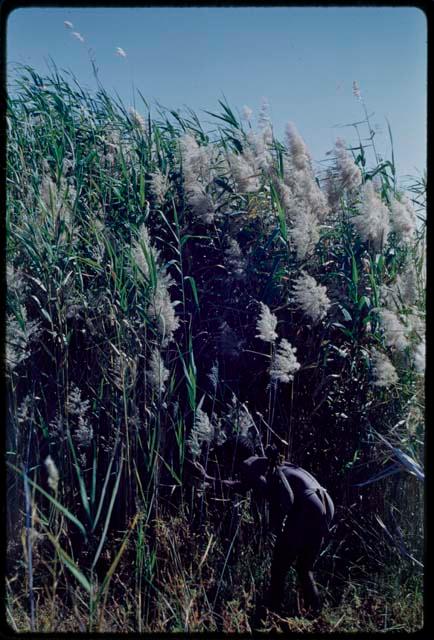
pixel 237 485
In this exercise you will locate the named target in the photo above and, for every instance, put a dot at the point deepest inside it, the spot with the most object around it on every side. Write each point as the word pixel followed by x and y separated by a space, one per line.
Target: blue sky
pixel 303 60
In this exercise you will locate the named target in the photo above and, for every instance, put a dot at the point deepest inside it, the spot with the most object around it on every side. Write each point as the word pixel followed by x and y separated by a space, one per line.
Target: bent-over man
pixel 301 512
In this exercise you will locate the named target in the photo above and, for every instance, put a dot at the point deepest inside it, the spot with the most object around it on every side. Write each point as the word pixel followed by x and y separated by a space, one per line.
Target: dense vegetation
pixel 169 286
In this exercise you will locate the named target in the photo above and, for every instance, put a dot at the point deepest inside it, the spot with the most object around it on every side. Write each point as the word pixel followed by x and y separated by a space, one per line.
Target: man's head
pixel 272 453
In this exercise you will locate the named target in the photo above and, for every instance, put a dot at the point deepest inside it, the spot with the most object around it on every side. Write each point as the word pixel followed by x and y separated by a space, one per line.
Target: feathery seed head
pixel 157 373
pixel 395 333
pixel 234 259
pixel 384 373
pixel 244 172
pixel 201 432
pixel 419 357
pixel 356 90
pixel 53 473
pixel 159 186
pixel 311 297
pixel 284 364
pixel 137 119
pixel 200 202
pixel 304 233
pixel 266 325
pixel 300 155
pixel 348 173
pixel 78 35
pixel 162 309
pixel 403 219
pixel 372 223
pixel 246 113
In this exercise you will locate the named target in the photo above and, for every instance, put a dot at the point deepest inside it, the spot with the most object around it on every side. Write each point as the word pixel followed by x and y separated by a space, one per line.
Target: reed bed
pixel 172 282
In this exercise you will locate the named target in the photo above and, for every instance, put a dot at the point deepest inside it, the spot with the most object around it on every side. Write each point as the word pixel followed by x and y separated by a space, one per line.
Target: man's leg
pixel 315 526
pixel 308 585
pixel 288 545
pixel 283 558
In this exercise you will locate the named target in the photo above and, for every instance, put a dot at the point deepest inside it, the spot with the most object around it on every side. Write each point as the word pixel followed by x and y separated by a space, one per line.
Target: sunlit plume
pixel 78 35
pixel 284 364
pixel 311 297
pixel 383 371
pixel 266 324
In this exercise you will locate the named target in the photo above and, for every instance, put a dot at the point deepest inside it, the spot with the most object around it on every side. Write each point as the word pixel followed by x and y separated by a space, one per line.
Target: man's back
pixel 254 472
pixel 286 485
